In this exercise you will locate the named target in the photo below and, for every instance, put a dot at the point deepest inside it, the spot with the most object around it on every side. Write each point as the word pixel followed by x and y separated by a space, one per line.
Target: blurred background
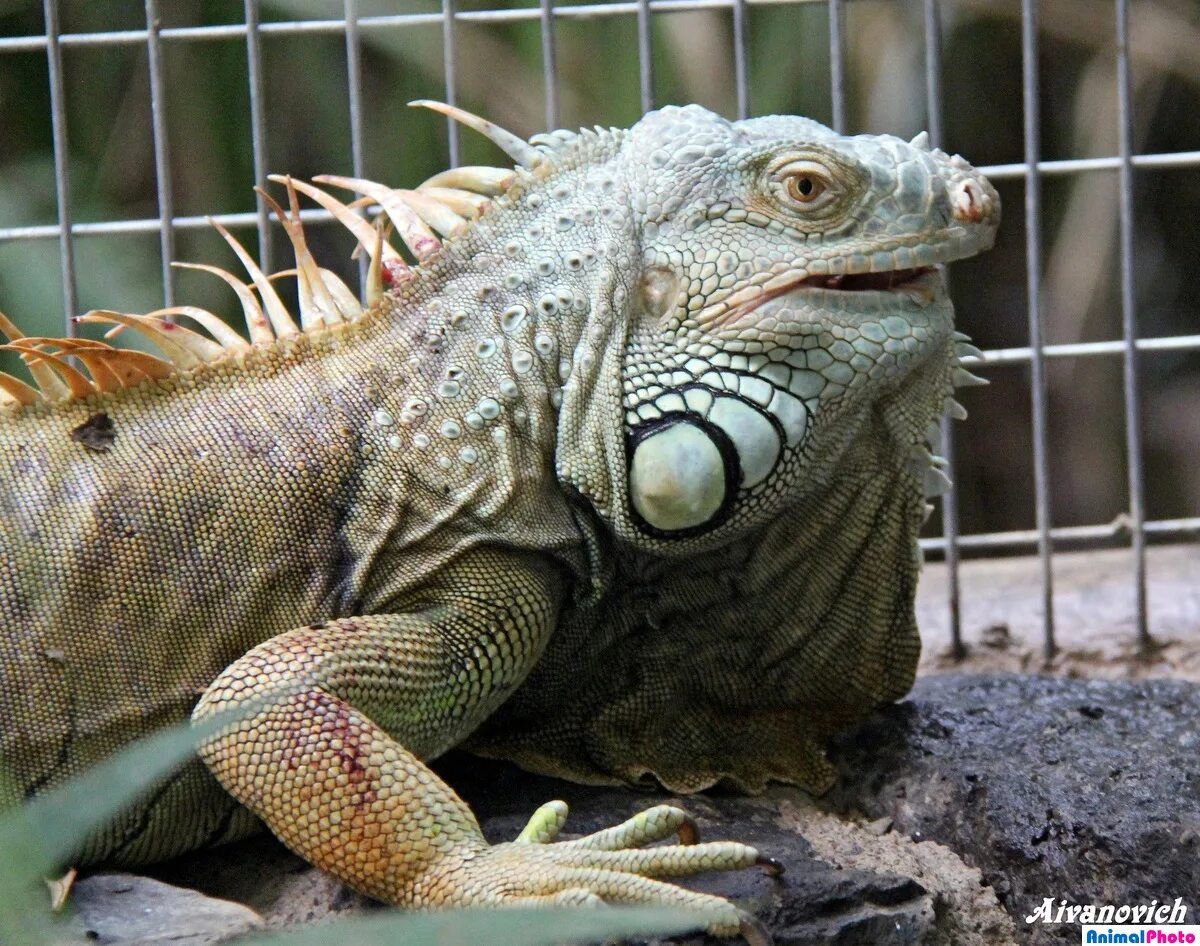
pixel 112 174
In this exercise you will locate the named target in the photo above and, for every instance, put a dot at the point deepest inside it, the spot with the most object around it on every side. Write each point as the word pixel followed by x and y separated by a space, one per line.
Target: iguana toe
pixel 646 827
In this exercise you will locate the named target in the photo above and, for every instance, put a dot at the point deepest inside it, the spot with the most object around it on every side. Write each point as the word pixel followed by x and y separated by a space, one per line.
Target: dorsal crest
pixel 443 207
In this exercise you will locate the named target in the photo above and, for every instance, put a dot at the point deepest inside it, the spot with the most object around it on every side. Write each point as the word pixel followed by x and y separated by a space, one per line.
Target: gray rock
pixel 282 888
pixel 1084 790
pixel 128 910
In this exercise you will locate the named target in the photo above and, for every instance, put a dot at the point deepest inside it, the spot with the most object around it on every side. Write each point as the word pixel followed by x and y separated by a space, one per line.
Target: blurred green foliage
pixel 499 73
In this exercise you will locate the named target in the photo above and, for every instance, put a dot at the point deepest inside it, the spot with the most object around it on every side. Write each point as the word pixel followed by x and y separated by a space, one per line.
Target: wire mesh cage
pixel 126 123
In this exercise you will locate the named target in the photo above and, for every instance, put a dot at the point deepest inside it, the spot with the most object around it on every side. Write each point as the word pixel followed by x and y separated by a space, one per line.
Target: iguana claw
pixel 689 831
pixel 753 932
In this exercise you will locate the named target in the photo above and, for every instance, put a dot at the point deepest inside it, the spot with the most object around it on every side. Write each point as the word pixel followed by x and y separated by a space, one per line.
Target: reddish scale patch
pixel 394 272
pixel 367 798
pixel 350 753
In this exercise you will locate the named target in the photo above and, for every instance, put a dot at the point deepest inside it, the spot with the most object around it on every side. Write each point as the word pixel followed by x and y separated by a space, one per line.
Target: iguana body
pixel 623 480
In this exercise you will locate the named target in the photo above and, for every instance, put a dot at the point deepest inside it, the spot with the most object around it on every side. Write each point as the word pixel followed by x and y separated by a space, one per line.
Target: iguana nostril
pixel 968 201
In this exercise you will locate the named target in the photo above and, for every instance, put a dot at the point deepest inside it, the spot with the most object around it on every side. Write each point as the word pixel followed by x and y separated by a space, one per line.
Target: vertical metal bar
pixel 646 54
pixel 354 89
pixel 258 128
pixel 450 58
pixel 1133 420
pixel 933 71
pixel 1033 260
pixel 354 85
pixel 549 64
pixel 950 528
pixel 62 188
pixel 837 65
pixel 741 42
pixel 162 153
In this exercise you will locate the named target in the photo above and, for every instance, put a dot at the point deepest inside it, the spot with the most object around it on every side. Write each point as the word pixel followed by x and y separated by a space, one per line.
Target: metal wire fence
pixel 1133 526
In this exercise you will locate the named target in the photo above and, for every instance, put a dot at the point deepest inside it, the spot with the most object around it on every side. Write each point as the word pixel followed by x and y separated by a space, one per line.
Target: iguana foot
pixel 612 866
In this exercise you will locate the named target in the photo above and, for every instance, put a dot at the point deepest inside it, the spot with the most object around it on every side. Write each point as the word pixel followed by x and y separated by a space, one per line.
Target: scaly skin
pixel 603 486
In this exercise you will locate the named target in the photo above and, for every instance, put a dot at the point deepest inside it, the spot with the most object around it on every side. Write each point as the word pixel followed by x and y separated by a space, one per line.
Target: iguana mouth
pixel 861 282
pixel 918 284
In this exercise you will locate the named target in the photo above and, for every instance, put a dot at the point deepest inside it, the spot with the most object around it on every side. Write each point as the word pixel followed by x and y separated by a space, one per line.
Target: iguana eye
pixel 810 189
pixel 805 187
pixel 808 184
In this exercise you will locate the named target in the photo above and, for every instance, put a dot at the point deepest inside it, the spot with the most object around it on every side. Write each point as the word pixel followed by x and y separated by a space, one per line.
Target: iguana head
pixel 788 284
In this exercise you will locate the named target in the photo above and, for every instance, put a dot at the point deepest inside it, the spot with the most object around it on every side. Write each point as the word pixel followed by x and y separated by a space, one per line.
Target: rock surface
pixel 956 814
pixel 128 910
pixel 1083 790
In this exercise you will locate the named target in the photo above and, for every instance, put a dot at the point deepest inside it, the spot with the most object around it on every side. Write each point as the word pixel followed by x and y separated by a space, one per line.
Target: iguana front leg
pixel 334 765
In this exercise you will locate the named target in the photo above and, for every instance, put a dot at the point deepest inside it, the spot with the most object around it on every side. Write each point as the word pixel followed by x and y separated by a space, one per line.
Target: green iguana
pixel 620 479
